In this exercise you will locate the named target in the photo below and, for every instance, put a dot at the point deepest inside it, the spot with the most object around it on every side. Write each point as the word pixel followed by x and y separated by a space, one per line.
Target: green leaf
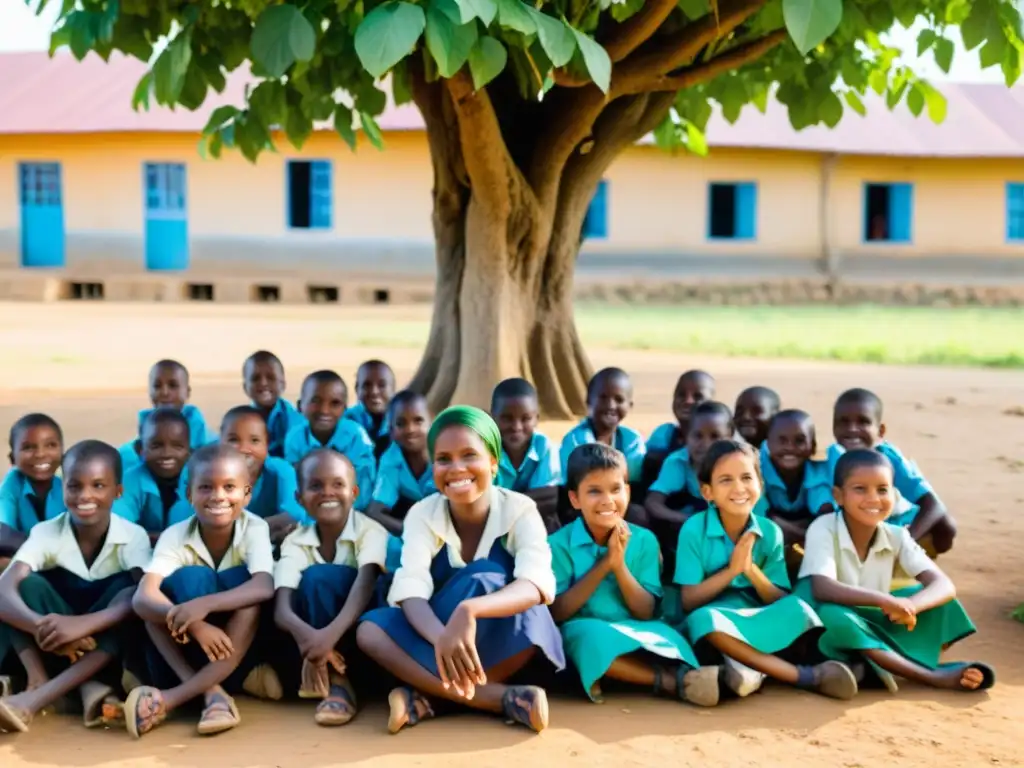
pixel 193 92
pixel 1011 64
pixel 855 103
pixel 452 10
pixel 388 33
pixel 512 14
pixel 140 98
pixel 447 42
pixel 297 127
pixel 811 21
pixel 369 99
pixel 281 37
pixel 81 34
pixel 694 9
pixel 623 10
pixel 895 95
pixel 486 60
pixel 830 109
pixel 372 130
pixel 934 101
pixel 219 117
pixel 401 88
pixel 943 53
pixel 973 27
pixel 993 51
pixel 170 68
pixel 343 125
pixel 733 97
pixel 915 101
pixel 696 142
pixel 485 10
pixel 925 40
pixel 268 103
pixel 557 39
pixel 599 65
pixel 879 81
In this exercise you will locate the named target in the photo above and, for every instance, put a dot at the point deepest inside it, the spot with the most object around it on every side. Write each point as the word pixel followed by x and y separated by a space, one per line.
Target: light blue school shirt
pixel 907 479
pixel 540 467
pixel 574 553
pixel 141 502
pixel 395 480
pixel 350 439
pixel 663 437
pixel 274 492
pixel 129 456
pixel 281 420
pixel 16 508
pixel 364 418
pixel 815 489
pixel 705 548
pixel 627 440
pixel 677 475
pixel 198 435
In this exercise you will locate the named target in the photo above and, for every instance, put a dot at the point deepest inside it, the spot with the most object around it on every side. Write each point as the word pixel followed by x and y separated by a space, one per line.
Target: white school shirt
pixel 362 542
pixel 52 544
pixel 181 545
pixel 428 527
pixel 829 551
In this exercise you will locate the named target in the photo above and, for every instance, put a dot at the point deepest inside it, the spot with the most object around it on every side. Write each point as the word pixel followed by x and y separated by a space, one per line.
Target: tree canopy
pixel 322 60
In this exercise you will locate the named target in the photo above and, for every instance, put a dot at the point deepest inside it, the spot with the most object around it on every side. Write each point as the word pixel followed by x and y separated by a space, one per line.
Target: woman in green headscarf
pixel 468 604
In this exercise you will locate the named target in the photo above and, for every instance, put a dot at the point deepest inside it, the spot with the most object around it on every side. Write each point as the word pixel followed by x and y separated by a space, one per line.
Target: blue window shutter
pixel 1015 211
pixel 595 225
pixel 42 215
pixel 901 212
pixel 746 211
pixel 320 194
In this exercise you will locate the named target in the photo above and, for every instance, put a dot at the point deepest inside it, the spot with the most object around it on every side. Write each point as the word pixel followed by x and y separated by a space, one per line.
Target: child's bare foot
pixel 830 678
pixel 15 715
pixel 408 707
pixel 144 710
pixel 973 676
pixel 339 705
pixel 526 705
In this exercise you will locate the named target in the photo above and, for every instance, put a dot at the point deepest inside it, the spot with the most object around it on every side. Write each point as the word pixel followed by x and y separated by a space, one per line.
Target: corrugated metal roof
pixel 40 95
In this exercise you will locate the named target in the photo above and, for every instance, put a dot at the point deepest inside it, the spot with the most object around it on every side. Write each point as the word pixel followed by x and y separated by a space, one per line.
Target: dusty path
pixel 958 424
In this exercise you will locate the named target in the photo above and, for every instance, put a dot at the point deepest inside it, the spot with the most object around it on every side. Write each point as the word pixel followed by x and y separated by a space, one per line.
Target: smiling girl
pixel 849 563
pixel 735 589
pixel 468 602
pixel 31 492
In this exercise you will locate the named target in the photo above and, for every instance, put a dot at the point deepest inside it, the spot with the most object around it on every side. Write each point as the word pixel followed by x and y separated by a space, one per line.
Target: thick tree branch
pixel 733 58
pixel 483 148
pixel 637 30
pixel 679 50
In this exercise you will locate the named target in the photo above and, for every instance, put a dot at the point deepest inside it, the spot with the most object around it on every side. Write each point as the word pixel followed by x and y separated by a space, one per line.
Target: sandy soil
pixel 959 424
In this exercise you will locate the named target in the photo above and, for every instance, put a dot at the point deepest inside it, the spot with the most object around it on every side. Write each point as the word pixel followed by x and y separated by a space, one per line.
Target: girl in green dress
pixel 848 571
pixel 735 590
pixel 608 576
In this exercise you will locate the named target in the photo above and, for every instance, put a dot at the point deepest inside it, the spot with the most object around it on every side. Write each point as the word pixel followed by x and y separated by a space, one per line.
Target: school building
pixel 96 198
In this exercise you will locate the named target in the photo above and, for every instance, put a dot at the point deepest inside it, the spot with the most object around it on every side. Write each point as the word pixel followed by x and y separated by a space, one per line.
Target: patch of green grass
pixel 973 336
pixel 1018 613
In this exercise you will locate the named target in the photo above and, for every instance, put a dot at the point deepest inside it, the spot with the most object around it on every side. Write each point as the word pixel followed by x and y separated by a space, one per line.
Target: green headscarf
pixel 471 418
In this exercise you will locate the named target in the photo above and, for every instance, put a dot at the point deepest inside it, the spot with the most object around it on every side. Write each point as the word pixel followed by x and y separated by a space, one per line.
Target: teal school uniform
pixel 151 503
pixel 540 467
pixel 907 479
pixel 666 438
pixel 396 481
pixel 628 441
pixel 274 492
pixel 281 420
pixel 199 435
pixel 678 477
pixel 704 549
pixel 814 492
pixel 350 439
pixel 130 457
pixel 603 629
pixel 21 509
pixel 364 418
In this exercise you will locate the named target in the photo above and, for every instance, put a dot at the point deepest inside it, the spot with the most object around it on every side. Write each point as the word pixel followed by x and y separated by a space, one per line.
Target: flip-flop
pixel 988 674
pixel 700 686
pixel 220 714
pixel 263 683
pixel 100 706
pixel 5 685
pixel 144 710
pixel 13 720
pixel 338 708
pixel 526 705
pixel 830 678
pixel 402 704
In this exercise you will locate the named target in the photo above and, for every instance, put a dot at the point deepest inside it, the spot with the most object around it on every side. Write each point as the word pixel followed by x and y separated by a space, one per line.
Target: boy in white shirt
pixel 201 599
pixel 848 567
pixel 66 597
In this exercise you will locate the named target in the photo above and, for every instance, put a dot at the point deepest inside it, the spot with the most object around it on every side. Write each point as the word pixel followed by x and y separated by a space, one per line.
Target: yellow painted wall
pixel 657 202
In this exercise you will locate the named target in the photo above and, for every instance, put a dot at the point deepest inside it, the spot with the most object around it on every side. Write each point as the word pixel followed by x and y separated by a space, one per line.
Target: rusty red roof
pixel 40 95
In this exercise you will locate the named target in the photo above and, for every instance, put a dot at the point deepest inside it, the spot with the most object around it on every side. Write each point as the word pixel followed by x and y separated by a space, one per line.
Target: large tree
pixel 525 106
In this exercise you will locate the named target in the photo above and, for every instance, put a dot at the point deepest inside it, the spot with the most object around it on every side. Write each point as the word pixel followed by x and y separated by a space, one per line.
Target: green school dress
pixel 704 549
pixel 850 630
pixel 603 629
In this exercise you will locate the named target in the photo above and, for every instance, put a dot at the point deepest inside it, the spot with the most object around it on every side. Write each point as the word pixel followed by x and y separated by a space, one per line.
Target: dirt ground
pixel 86 365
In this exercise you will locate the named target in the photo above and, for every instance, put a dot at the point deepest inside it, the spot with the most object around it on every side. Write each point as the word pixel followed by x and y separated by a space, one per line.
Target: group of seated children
pixel 305 549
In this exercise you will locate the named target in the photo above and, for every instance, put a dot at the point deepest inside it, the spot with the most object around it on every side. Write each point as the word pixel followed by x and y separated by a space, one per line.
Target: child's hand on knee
pixel 213 640
pixel 181 617
pixel 899 610
pixel 55 631
pixel 76 649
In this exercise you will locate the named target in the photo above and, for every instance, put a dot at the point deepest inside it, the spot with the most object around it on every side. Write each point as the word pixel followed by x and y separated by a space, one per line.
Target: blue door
pixel 42 215
pixel 595 224
pixel 166 217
